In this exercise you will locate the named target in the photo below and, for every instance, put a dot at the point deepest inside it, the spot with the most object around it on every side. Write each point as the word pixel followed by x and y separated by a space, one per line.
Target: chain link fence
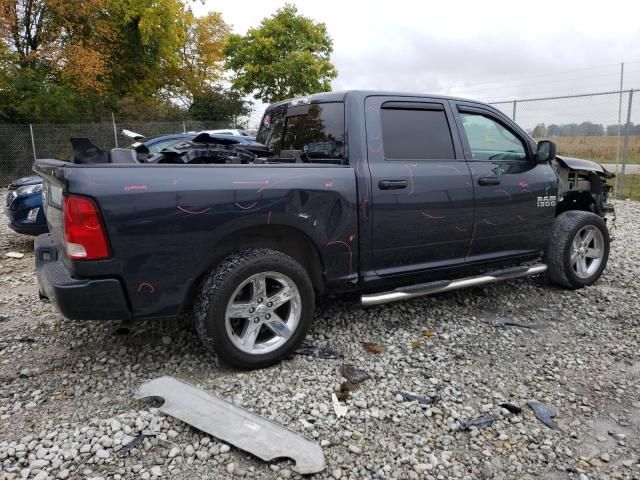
pixel 20 144
pixel 593 126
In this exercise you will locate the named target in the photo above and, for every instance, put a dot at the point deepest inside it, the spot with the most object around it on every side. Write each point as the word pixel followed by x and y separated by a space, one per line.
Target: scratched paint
pixel 294 177
pixel 484 220
pixel 505 192
pixel 146 287
pixel 251 182
pixel 473 236
pixel 129 188
pixel 193 212
pixel 461 229
pixel 269 218
pixel 431 216
pixel 410 168
pixel 245 207
pixel 375 149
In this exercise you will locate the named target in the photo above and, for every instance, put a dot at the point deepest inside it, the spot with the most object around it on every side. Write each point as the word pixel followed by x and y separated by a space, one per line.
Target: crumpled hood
pixel 588 165
pixel 30 180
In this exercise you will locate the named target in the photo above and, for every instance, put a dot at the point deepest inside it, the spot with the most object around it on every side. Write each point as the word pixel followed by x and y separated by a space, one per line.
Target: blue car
pixel 24 199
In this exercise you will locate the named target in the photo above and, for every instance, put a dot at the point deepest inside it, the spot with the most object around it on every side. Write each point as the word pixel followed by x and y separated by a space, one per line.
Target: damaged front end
pixel 583 186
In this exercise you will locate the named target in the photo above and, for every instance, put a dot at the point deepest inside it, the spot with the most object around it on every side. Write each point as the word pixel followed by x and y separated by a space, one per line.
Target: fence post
pixel 115 130
pixel 33 143
pixel 513 117
pixel 184 127
pixel 625 147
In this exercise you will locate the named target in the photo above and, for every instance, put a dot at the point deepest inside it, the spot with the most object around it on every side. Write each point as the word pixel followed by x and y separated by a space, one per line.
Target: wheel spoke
pixel 239 310
pixel 250 333
pixel 582 266
pixel 259 287
pixel 278 326
pixel 280 298
pixel 574 256
pixel 588 237
pixel 593 253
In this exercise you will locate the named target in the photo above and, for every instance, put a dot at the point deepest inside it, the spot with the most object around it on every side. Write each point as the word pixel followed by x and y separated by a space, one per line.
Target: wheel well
pixel 287 240
pixel 577 200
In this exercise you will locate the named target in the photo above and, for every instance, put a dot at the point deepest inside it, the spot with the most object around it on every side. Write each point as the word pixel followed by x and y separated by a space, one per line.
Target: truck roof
pixel 340 96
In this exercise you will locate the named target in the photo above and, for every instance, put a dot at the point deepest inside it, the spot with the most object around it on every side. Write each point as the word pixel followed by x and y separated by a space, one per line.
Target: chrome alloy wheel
pixel 587 251
pixel 263 312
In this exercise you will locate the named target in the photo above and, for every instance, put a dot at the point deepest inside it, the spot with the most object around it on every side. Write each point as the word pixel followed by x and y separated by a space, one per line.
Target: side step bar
pixel 441 286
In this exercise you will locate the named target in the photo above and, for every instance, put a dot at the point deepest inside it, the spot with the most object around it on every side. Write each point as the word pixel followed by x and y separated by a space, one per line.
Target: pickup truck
pixel 387 195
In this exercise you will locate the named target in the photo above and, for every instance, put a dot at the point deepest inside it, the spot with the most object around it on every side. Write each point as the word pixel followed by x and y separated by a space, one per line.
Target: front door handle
pixel 392 184
pixel 488 181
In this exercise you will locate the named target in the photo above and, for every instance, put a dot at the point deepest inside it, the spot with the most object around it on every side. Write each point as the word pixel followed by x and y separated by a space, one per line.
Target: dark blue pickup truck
pixel 388 195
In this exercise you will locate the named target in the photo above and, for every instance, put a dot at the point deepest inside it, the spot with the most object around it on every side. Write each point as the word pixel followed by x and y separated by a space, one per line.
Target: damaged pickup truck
pixel 387 195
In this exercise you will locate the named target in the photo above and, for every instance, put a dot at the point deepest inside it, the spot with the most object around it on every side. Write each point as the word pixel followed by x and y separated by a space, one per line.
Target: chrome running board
pixel 441 286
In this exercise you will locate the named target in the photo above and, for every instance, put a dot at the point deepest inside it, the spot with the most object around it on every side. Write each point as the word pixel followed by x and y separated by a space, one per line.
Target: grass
pixel 631 187
pixel 598 149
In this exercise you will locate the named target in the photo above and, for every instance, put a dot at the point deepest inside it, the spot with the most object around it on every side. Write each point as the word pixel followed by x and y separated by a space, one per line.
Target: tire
pixel 572 249
pixel 240 320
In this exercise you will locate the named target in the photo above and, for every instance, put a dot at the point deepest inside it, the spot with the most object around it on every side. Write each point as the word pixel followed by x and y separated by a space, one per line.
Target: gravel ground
pixel 66 387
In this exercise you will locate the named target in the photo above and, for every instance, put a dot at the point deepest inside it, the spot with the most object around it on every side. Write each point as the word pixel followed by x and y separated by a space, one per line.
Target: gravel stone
pixel 66 404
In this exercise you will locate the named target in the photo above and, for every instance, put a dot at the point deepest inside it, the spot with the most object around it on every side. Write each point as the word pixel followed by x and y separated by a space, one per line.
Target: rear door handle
pixel 488 181
pixel 392 184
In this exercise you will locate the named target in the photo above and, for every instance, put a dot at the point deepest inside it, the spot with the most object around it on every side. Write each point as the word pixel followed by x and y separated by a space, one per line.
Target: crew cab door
pixel 421 192
pixel 515 196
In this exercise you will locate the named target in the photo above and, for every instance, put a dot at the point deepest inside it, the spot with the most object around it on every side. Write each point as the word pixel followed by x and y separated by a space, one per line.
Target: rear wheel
pixel 578 249
pixel 255 308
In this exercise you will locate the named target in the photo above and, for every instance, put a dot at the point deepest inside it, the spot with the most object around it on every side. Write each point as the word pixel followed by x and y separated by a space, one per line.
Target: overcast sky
pixel 483 49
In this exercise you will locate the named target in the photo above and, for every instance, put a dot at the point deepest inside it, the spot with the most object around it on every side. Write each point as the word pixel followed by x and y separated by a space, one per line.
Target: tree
pixel 201 57
pixel 286 56
pixel 218 104
pixel 539 131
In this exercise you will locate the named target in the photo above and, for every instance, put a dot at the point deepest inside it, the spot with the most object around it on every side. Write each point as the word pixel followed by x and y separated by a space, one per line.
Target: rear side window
pixel 416 134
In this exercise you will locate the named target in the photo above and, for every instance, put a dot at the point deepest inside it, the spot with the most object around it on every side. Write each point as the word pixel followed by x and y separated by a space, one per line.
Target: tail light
pixel 84 233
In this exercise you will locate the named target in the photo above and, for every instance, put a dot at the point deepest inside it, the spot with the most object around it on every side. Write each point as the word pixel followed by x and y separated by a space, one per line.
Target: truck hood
pixel 581 164
pixel 30 180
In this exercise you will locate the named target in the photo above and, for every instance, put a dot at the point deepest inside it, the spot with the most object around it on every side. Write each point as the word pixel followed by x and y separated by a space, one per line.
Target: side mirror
pixel 546 151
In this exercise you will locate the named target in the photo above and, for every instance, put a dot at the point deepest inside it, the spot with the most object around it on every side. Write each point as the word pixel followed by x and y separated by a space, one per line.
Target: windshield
pixel 316 130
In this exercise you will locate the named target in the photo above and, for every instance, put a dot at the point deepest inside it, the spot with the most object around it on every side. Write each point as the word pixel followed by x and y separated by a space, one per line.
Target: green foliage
pixel 219 105
pixel 287 56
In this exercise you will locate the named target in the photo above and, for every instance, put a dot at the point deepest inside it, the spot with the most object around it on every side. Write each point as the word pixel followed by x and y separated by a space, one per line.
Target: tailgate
pixel 53 174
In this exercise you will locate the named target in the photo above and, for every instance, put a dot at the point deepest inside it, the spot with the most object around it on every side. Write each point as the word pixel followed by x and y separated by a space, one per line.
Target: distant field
pixel 631 187
pixel 600 149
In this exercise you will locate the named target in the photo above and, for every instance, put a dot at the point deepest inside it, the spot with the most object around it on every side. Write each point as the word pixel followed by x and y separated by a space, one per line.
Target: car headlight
pixel 29 189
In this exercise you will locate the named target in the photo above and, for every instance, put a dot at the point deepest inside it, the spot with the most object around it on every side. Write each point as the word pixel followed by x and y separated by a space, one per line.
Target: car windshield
pixel 316 130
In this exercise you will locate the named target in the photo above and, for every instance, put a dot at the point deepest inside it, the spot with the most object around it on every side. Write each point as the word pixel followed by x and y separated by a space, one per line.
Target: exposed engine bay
pixel 583 185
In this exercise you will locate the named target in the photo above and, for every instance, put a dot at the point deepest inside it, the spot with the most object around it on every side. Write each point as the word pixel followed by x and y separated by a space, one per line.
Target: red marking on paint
pixel 365 209
pixel 147 286
pixel 484 220
pixel 192 212
pixel 269 218
pixel 428 215
pixel 129 188
pixel 291 178
pixel 473 236
pixel 461 229
pixel 328 184
pixel 524 190
pixel 336 242
pixel 505 192
pixel 449 167
pixel 521 218
pixel 251 182
pixel 243 207
pixel 351 237
pixel 523 184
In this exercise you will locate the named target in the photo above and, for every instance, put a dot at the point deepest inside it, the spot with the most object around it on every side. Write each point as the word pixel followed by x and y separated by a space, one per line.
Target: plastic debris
pixel 544 413
pixel 353 374
pixel 344 392
pixel 14 255
pixel 507 322
pixel 319 352
pixel 263 438
pixel 511 408
pixel 341 410
pixel 421 399
pixel 372 347
pixel 480 422
pixel 124 451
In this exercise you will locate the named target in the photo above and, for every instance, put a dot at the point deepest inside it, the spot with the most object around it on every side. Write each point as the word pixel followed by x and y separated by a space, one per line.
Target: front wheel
pixel 255 308
pixel 578 249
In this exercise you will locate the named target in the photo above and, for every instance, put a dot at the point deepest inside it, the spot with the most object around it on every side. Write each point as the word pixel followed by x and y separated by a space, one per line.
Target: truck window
pixel 416 134
pixel 316 129
pixel 489 141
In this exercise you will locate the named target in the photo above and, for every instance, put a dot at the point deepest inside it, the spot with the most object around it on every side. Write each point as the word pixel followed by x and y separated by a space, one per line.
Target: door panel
pixel 509 219
pixel 422 196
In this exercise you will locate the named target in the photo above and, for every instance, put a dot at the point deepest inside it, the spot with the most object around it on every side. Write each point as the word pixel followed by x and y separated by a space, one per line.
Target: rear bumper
pixel 75 298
